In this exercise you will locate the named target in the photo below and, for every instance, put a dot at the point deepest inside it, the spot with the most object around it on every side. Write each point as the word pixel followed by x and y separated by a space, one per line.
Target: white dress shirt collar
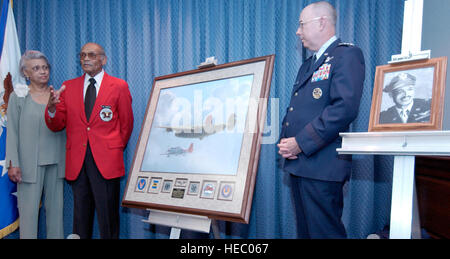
pixel 98 81
pixel 325 47
pixel 407 110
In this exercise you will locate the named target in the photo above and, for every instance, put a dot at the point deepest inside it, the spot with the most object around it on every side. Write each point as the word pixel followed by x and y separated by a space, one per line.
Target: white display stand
pixel 178 221
pixel 404 146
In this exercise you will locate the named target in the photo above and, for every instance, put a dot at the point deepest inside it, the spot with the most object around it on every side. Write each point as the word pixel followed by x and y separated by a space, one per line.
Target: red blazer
pixel 107 130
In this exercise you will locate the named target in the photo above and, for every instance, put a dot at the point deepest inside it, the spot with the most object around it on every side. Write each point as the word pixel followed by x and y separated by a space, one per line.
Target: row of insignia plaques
pixel 180 187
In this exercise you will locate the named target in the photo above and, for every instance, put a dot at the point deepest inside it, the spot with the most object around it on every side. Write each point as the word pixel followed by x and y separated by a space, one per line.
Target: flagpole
pixel 9 72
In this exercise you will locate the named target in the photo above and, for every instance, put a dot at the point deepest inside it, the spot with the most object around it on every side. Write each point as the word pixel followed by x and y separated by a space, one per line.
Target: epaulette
pixel 347 44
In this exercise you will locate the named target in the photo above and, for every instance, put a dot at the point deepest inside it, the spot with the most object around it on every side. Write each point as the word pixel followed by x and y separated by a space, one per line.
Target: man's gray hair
pixel 29 55
pixel 323 8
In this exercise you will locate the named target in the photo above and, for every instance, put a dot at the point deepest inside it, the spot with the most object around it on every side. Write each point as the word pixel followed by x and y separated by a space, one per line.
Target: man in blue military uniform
pixel 325 100
pixel 407 109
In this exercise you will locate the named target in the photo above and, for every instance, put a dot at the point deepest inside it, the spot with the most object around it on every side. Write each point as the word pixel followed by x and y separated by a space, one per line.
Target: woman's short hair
pixel 29 55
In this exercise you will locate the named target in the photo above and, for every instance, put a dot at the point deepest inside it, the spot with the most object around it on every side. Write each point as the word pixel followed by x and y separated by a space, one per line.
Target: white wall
pixel 436 37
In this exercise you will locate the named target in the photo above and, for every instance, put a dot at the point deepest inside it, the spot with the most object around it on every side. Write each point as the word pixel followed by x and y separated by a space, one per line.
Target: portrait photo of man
pixel 408 106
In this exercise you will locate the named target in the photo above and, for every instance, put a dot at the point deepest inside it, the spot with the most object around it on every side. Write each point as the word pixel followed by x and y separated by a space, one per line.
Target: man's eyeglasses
pixel 90 55
pixel 302 23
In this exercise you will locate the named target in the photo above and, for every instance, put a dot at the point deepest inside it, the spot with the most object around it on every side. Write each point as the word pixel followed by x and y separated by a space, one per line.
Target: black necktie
pixel 89 99
pixel 313 60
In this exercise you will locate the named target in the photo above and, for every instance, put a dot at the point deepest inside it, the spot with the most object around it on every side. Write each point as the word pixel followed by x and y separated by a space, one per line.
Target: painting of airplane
pixel 178 151
pixel 208 114
pixel 202 131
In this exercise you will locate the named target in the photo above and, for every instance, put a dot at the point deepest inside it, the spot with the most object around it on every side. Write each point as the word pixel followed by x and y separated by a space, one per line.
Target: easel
pixel 412 34
pixel 178 221
pixel 404 195
pixel 404 146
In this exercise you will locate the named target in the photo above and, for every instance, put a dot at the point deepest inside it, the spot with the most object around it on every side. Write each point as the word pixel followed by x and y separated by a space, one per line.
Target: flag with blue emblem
pixel 10 76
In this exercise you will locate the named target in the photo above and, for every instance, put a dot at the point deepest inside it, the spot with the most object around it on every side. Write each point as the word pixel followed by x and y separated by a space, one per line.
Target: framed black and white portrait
pixel 409 96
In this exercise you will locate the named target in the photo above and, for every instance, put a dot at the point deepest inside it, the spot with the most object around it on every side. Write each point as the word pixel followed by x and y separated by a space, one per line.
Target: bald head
pixel 98 47
pixel 324 9
pixel 92 58
pixel 317 25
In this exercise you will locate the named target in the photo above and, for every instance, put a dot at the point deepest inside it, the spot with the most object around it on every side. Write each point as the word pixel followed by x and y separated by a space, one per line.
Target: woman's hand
pixel 15 174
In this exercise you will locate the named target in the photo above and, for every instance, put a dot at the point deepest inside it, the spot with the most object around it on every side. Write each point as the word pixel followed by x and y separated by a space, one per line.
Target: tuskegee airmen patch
pixel 106 113
pixel 317 93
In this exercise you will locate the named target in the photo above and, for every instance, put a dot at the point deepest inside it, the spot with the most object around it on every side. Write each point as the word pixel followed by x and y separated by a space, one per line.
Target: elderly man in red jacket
pixel 96 111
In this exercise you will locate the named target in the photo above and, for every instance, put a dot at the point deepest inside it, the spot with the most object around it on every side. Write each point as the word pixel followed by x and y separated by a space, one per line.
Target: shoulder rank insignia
pixel 346 44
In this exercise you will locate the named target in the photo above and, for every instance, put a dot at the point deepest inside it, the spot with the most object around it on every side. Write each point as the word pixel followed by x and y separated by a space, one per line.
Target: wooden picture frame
pixel 396 85
pixel 199 144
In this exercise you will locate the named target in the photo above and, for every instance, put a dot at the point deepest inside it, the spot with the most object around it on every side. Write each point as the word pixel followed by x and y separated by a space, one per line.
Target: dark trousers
pixel 318 206
pixel 93 193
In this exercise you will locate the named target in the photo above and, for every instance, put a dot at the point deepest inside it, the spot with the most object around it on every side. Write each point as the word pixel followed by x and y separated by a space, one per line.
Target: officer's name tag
pixel 322 74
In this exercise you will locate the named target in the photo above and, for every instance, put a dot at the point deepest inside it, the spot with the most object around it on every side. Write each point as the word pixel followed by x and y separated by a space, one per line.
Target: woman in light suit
pixel 34 154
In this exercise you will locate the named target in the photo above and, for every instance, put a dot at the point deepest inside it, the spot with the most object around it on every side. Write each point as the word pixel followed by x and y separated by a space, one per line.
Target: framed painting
pixel 409 96
pixel 199 144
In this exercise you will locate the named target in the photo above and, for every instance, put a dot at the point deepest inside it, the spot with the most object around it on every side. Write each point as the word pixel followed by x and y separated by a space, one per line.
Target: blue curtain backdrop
pixel 148 38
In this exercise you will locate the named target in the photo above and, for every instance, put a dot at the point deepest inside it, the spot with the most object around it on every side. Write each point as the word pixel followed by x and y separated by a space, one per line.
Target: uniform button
pixel 296 94
pixel 84 144
pixel 287 124
pixel 88 128
pixel 291 109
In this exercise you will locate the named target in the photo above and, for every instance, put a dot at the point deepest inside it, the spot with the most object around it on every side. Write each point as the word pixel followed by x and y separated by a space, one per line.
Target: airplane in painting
pixel 177 151
pixel 203 130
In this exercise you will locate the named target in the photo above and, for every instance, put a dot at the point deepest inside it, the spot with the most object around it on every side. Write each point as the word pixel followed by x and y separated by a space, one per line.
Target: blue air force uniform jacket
pixel 324 101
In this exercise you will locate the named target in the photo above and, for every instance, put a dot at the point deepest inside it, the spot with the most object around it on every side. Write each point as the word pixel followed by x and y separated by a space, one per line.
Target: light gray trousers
pixel 28 200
